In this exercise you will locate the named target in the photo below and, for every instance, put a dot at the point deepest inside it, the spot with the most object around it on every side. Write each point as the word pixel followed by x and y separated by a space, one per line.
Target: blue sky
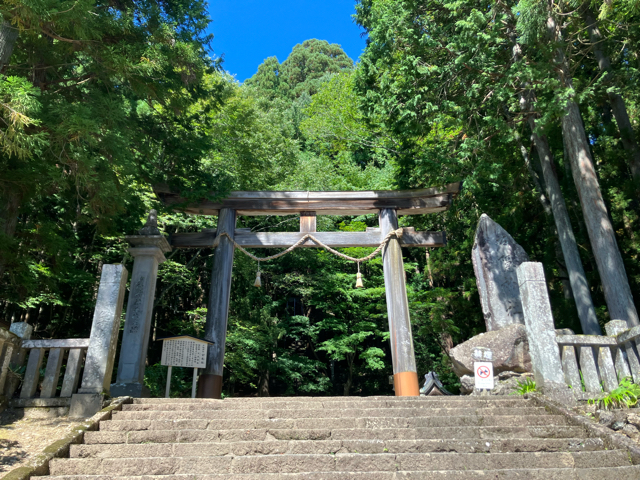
pixel 248 31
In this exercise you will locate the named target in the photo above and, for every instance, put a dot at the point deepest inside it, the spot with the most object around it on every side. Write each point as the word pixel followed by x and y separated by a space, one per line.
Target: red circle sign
pixel 483 372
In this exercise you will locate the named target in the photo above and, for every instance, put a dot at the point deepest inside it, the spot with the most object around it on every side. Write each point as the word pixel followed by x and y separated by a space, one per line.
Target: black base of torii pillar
pixel 210 382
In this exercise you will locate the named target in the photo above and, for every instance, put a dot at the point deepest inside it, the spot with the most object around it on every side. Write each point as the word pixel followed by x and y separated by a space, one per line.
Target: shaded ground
pixel 22 437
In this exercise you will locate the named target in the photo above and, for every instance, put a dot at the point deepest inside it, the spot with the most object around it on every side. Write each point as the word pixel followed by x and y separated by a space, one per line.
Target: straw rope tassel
pixel 359 283
pixel 258 283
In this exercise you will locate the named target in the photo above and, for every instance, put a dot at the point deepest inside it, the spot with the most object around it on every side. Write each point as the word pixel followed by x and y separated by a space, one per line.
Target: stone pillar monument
pixel 495 256
pixel 545 354
pixel 148 251
pixel 101 353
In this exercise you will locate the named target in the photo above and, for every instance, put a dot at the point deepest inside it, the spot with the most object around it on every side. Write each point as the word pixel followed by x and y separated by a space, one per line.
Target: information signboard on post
pixel 184 351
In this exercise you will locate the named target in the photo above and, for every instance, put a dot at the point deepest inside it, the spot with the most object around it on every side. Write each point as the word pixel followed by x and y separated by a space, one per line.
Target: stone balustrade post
pixel 613 329
pixel 98 366
pixel 8 343
pixel 24 331
pixel 538 319
pixel 148 251
pixel 18 356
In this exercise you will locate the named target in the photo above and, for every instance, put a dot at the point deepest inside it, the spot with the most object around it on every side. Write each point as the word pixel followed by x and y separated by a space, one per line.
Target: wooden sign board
pixel 184 352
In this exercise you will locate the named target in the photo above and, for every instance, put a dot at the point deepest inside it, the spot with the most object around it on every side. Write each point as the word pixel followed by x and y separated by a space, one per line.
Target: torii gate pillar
pixel 405 376
pixel 210 382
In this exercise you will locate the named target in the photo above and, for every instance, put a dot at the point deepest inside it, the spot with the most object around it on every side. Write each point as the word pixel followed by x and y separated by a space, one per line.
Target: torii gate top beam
pixel 405 202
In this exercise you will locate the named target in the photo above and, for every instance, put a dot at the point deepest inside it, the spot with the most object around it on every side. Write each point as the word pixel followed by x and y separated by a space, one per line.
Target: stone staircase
pixel 373 438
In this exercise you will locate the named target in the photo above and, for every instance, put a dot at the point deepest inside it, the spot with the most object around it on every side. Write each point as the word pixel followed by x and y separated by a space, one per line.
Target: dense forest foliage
pixel 533 104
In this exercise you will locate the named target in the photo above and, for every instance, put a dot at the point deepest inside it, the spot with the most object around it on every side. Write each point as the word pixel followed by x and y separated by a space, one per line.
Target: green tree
pixel 303 71
pixel 85 113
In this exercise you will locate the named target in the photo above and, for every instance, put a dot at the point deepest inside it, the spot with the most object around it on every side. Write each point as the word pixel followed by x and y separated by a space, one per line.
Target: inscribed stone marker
pixel 148 253
pixel 495 256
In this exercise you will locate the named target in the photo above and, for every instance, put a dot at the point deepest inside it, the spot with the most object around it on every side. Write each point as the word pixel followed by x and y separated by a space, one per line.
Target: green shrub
pixel 624 396
pixel 527 386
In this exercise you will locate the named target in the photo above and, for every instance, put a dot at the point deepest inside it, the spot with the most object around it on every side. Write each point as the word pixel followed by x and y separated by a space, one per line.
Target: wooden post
pixel 167 390
pixel 210 384
pixel 307 222
pixel 308 225
pixel 194 383
pixel 405 376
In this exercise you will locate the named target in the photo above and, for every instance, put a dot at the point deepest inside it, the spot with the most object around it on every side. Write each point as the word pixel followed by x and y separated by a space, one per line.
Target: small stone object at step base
pixel 605 418
pixel 618 425
pixel 467 384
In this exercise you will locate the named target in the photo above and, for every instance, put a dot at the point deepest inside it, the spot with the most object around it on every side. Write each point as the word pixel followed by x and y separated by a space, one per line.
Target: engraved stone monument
pixel 148 251
pixel 495 256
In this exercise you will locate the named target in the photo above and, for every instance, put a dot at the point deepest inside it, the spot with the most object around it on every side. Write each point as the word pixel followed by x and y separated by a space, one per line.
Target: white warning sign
pixel 483 375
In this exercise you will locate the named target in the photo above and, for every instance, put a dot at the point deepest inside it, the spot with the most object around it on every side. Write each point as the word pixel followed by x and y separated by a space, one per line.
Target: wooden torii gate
pixel 388 204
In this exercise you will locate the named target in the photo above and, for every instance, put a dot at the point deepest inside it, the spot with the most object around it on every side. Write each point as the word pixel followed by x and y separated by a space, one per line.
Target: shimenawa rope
pixel 397 233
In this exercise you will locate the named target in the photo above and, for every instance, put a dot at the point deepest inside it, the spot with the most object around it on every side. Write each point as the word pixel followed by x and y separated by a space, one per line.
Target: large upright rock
pixel 495 256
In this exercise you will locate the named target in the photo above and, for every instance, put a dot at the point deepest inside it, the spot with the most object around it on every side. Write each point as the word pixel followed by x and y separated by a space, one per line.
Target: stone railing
pixel 594 363
pixel 74 349
pixel 92 357
pixel 588 364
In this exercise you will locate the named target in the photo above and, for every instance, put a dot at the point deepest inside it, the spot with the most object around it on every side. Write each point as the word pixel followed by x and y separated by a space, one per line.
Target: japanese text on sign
pixel 184 353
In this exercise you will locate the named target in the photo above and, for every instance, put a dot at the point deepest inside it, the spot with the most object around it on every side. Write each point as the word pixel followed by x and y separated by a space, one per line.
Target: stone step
pixel 322 413
pixel 339 462
pixel 314 403
pixel 616 473
pixel 331 423
pixel 382 434
pixel 434 399
pixel 334 446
